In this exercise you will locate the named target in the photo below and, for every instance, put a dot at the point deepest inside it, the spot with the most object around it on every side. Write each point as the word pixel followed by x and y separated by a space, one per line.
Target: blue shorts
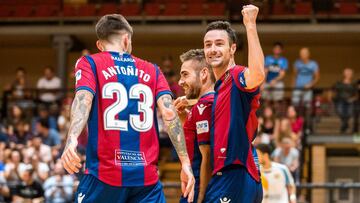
pixel 233 184
pixel 92 190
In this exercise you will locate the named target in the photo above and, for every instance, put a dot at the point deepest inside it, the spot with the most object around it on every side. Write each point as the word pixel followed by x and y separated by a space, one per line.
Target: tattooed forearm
pixel 173 124
pixel 80 110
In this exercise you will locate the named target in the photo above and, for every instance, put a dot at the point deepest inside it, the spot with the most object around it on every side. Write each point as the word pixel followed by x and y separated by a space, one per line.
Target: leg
pixel 356 117
pixel 147 194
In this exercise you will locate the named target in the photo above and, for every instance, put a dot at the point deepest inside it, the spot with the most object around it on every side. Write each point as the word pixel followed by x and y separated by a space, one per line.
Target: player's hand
pixel 181 104
pixel 187 182
pixel 249 13
pixel 70 159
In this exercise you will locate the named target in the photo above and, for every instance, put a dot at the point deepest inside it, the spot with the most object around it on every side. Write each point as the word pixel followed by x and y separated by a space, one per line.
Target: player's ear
pixel 99 45
pixel 233 48
pixel 204 74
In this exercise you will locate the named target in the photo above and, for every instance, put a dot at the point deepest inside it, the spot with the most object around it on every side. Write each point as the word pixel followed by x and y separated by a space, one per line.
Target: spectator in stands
pixel 296 121
pixel 43 113
pixel 167 65
pixel 13 168
pixel 16 116
pixel 345 96
pixel 288 155
pixel 38 148
pixel 18 86
pixel 175 88
pixel 306 75
pixel 267 125
pixel 63 121
pixel 4 189
pixel 284 130
pixel 59 187
pixel 50 137
pixel 275 67
pixel 357 109
pixel 48 86
pixel 21 135
pixel 41 169
pixel 30 190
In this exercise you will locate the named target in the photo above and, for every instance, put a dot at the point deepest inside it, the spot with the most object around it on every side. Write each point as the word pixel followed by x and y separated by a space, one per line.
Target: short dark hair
pixel 20 69
pixel 281 45
pixel 199 56
pixel 223 25
pixel 264 148
pixel 112 24
pixel 44 123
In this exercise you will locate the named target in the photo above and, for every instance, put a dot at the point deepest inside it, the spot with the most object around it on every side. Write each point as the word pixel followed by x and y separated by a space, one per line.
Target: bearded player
pixel 197 80
pixel 236 177
pixel 116 95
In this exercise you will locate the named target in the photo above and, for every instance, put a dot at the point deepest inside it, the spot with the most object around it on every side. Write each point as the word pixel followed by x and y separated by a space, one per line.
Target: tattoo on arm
pixel 173 123
pixel 80 110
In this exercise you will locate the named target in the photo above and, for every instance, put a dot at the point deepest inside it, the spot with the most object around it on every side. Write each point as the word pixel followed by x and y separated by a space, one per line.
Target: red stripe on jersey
pixel 109 140
pixel 222 126
pixel 149 143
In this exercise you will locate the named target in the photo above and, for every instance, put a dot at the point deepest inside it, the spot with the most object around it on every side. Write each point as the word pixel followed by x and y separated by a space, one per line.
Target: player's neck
pixel 115 48
pixel 206 89
pixel 267 165
pixel 220 71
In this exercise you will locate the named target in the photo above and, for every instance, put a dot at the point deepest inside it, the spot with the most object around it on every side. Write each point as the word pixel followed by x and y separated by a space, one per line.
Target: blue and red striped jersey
pixel 234 122
pixel 197 131
pixel 123 142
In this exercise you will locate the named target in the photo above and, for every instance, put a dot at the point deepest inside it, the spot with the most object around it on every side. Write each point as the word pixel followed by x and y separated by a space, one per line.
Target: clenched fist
pixel 249 13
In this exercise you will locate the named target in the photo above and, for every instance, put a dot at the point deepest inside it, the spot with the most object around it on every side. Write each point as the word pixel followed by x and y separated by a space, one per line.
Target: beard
pixel 194 91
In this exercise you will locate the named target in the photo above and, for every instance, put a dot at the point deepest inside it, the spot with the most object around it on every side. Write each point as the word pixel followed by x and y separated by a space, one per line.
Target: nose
pixel 181 82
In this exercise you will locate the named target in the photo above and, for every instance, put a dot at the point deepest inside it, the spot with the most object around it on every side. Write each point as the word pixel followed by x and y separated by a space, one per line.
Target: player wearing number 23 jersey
pixel 123 147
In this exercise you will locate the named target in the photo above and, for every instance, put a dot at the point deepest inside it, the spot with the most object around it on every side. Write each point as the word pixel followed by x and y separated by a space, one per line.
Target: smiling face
pixel 190 79
pixel 217 48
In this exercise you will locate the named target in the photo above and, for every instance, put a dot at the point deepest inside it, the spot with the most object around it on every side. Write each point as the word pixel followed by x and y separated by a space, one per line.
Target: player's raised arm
pixel 80 110
pixel 255 74
pixel 176 134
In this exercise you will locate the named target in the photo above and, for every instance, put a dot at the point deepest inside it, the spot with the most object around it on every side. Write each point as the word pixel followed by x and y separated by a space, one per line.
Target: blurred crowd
pixel 33 132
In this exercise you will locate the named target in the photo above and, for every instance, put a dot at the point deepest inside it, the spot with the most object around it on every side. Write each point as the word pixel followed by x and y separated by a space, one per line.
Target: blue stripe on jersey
pixel 238 143
pixel 129 140
pixel 212 127
pixel 92 161
pixel 287 181
pixel 85 88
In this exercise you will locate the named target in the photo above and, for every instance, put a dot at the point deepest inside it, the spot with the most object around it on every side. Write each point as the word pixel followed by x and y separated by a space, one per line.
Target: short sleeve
pixel 84 76
pixel 202 119
pixel 238 74
pixel 316 67
pixel 288 177
pixel 162 86
pixel 267 61
pixel 283 63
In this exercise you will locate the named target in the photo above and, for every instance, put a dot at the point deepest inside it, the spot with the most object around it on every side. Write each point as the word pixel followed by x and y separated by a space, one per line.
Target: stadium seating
pixel 174 9
pixel 303 8
pixel 195 9
pixel 87 10
pixel 348 8
pixel 24 11
pixel 46 11
pixel 130 9
pixel 5 11
pixel 152 9
pixel 108 8
pixel 216 9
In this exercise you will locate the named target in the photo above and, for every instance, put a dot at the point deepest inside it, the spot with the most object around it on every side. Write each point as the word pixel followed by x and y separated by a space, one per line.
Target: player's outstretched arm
pixel 255 74
pixel 80 110
pixel 176 134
